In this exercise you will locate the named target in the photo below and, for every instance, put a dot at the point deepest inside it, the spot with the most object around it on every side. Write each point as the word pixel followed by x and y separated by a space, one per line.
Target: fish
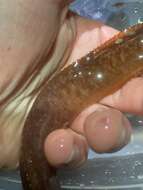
pixel 85 82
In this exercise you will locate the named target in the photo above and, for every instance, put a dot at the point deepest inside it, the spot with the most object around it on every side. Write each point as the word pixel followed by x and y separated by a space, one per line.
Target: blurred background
pixel 117 13
pixel 121 170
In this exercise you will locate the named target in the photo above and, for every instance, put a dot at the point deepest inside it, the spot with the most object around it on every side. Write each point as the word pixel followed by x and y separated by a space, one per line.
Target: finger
pixel 90 34
pixel 129 98
pixel 65 148
pixel 107 130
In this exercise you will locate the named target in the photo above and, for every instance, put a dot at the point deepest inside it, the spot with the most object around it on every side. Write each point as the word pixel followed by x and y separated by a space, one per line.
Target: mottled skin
pixel 98 74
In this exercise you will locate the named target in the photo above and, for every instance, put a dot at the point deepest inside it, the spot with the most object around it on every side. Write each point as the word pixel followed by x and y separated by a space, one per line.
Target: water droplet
pixel 136 10
pixel 140 121
pixel 124 172
pixel 132 177
pixel 27 175
pixel 140 56
pixel 30 161
pixel 106 127
pixel 61 145
pixel 108 172
pixel 129 32
pixel 138 163
pixel 81 185
pixel 140 20
pixel 75 75
pixel 94 52
pixel 140 176
pixel 97 15
pixel 119 41
pixel 99 75
pixel 75 64
pixel 87 58
pixel 112 180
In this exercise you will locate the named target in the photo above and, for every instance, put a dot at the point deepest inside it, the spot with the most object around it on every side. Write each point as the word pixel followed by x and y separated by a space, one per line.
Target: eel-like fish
pixel 85 82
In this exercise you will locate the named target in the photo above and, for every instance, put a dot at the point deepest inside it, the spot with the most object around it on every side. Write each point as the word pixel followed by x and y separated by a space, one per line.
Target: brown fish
pixel 85 82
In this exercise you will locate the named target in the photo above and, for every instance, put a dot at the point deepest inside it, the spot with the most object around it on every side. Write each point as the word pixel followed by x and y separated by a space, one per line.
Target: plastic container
pixel 120 170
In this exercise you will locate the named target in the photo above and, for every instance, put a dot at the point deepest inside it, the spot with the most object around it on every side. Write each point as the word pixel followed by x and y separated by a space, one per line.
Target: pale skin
pixel 102 126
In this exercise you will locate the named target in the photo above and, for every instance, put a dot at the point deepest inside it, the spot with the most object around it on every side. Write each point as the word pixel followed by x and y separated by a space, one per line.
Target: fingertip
pixel 107 130
pixel 65 148
pixel 58 147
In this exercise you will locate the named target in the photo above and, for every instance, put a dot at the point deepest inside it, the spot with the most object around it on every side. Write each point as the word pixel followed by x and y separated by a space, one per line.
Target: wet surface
pixel 10 180
pixel 121 170
pixel 107 173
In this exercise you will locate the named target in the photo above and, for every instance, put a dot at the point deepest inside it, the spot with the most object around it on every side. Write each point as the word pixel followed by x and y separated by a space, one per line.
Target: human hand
pixel 100 126
pixel 24 46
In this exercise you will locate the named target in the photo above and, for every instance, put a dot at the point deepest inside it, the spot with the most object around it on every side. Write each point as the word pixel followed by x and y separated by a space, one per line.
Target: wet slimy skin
pixel 85 82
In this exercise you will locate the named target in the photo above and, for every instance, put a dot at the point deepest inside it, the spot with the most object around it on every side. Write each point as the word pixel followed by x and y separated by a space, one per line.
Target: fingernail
pixel 76 158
